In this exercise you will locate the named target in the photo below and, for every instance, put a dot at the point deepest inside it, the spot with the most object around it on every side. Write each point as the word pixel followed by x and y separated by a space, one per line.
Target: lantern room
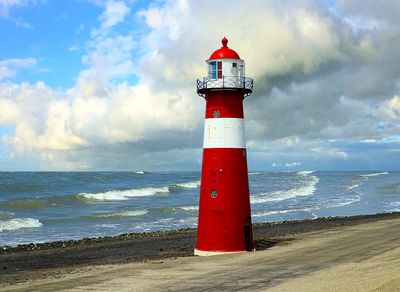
pixel 225 67
pixel 225 71
pixel 225 62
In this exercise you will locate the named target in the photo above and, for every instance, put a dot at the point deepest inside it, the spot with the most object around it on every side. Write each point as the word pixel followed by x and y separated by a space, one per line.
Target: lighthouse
pixel 224 224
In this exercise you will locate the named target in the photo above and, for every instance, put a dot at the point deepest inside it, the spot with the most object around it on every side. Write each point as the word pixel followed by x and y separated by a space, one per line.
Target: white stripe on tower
pixel 224 133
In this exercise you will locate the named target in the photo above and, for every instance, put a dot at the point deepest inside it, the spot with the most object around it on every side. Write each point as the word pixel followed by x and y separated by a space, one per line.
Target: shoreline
pixel 324 221
pixel 36 261
pixel 277 229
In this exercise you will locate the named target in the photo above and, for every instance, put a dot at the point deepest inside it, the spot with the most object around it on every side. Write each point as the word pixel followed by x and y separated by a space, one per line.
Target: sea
pixel 40 207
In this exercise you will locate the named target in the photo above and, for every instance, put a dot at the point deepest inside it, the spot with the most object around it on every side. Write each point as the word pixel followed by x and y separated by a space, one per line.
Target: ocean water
pixel 49 206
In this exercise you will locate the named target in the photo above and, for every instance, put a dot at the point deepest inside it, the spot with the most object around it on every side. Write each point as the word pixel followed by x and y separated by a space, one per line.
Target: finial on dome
pixel 224 42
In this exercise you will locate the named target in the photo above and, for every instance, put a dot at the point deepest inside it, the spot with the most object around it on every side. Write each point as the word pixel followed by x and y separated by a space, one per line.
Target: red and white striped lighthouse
pixel 224 224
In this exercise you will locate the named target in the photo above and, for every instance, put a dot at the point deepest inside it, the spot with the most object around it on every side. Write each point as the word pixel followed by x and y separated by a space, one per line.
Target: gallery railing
pixel 226 82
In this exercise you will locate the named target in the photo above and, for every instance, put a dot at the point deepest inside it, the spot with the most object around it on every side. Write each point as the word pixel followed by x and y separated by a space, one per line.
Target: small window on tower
pixel 241 71
pixel 219 69
pixel 234 69
pixel 213 70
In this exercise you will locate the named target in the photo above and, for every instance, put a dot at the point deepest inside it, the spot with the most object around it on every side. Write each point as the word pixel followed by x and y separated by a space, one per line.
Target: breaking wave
pixel 129 213
pixel 189 208
pixel 18 223
pixel 141 172
pixel 268 213
pixel 302 191
pixel 353 186
pixel 305 172
pixel 188 185
pixel 374 174
pixel 332 204
pixel 255 173
pixel 119 195
pixel 346 201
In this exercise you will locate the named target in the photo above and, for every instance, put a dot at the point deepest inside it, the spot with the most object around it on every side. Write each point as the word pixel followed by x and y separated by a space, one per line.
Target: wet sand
pixel 360 253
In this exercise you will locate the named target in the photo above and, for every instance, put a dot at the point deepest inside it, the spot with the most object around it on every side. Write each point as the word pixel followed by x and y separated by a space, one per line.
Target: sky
pixel 110 84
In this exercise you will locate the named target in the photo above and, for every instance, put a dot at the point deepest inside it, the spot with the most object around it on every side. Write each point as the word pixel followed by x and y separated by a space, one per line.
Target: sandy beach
pixel 359 253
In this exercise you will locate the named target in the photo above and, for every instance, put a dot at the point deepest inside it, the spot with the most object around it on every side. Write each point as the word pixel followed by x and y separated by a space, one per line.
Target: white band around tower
pixel 224 133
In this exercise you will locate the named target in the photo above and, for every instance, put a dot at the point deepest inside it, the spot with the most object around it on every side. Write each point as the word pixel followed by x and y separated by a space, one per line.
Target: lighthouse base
pixel 205 253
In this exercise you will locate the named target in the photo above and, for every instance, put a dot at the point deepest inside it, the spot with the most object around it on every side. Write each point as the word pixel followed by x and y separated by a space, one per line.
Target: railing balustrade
pixel 226 82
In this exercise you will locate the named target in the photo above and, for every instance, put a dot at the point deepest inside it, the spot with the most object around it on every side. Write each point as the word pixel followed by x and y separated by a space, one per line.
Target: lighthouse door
pixel 215 202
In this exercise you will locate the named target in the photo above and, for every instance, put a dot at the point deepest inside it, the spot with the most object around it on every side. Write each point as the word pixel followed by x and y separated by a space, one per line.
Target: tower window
pixel 234 69
pixel 213 70
pixel 241 71
pixel 219 69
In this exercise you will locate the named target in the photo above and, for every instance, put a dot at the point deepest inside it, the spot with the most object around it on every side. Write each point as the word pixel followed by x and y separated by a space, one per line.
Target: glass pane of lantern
pixel 213 70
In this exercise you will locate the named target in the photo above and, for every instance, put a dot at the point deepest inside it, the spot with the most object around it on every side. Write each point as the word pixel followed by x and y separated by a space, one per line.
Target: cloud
pixel 73 48
pixel 114 13
pixel 6 72
pixel 384 12
pixel 7 5
pixel 109 57
pixel 19 22
pixel 329 152
pixel 9 67
pixel 323 81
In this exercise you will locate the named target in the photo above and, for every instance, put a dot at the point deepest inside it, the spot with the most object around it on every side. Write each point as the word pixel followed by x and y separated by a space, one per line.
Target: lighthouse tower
pixel 224 214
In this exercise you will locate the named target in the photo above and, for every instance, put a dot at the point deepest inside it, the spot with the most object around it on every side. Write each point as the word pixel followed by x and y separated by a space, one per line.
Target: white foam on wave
pixel 18 223
pixel 139 172
pixel 166 224
pixel 118 195
pixel 332 204
pixel 394 207
pixel 305 172
pixel 106 225
pixel 6 215
pixel 306 190
pixel 129 213
pixel 356 185
pixel 268 213
pixel 374 174
pixel 254 173
pixel 346 201
pixel 189 185
pixel 189 208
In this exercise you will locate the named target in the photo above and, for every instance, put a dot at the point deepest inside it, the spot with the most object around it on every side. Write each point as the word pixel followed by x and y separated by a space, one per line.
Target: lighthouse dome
pixel 224 52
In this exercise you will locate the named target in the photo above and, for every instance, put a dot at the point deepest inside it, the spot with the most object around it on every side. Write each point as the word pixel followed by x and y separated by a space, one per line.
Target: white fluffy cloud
pixel 320 74
pixel 114 13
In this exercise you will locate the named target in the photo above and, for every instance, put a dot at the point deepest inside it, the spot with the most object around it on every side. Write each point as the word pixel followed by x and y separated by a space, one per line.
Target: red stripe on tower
pixel 224 214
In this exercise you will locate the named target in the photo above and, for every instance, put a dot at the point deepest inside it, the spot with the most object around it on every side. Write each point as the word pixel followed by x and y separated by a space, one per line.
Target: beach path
pixel 363 257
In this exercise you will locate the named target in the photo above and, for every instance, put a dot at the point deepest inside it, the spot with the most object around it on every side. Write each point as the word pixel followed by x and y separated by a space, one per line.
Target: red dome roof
pixel 224 52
